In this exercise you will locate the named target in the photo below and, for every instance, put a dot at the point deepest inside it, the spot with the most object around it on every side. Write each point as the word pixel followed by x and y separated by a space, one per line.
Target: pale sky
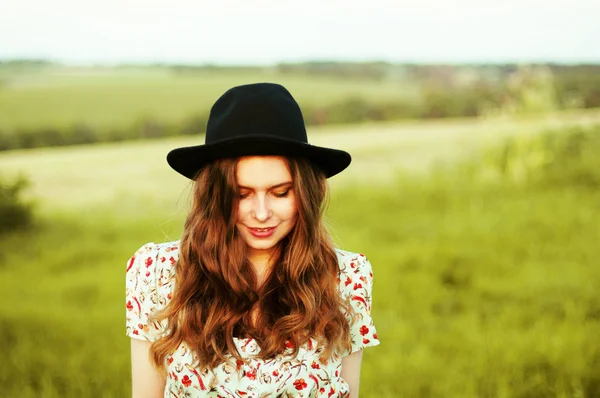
pixel 266 32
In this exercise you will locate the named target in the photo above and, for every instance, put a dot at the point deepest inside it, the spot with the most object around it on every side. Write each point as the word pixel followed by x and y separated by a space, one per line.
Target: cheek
pixel 243 210
pixel 285 211
pixel 291 210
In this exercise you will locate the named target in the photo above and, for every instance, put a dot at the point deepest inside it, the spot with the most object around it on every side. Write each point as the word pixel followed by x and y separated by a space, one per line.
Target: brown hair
pixel 216 286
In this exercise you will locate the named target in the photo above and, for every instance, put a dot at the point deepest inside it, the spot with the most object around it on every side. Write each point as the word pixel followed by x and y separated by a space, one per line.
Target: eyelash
pixel 283 195
pixel 277 195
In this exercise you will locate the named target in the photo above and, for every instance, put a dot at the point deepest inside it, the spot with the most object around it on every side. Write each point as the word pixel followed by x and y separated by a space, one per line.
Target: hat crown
pixel 260 119
pixel 260 109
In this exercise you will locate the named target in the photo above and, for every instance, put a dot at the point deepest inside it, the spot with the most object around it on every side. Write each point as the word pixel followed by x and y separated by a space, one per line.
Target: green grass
pixel 478 293
pixel 483 287
pixel 106 98
pixel 118 174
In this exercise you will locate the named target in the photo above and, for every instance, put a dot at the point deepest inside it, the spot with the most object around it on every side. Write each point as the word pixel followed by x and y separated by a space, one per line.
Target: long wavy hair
pixel 216 288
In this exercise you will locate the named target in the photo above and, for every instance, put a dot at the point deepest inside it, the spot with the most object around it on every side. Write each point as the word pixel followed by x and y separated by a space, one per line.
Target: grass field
pixel 106 98
pixel 482 289
pixel 121 174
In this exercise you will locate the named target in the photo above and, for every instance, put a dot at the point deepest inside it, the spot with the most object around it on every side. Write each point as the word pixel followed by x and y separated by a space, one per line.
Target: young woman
pixel 254 300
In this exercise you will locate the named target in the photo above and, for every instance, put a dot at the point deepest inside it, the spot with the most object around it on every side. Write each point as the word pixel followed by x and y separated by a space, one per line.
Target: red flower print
pixel 162 259
pixel 135 331
pixel 366 341
pixel 275 373
pixel 362 278
pixel 138 304
pixel 331 392
pixel 239 363
pixel 129 305
pixel 352 265
pixel 375 336
pixel 300 384
pixel 131 261
pixel 314 378
pixel 348 281
pixel 321 390
pixel 289 344
pixel 148 262
pixel 315 365
pixel 174 376
pixel 195 372
pixel 170 360
pixel 172 260
pixel 357 286
pixel 337 373
pixel 169 296
pixel 186 381
pixel 251 374
pixel 364 330
pixel 362 300
pixel 147 274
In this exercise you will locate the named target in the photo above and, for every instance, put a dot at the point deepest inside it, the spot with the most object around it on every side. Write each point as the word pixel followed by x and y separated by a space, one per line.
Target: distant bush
pixel 82 133
pixel 15 212
pixel 557 158
pixel 526 90
pixel 577 85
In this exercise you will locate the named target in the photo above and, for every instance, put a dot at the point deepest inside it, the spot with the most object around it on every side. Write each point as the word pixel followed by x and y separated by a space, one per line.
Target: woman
pixel 254 300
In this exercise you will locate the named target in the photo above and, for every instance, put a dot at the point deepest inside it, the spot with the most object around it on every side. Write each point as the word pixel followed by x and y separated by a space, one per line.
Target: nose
pixel 261 209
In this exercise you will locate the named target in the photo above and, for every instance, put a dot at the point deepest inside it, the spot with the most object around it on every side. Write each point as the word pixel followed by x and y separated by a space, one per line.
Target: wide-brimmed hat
pixel 256 119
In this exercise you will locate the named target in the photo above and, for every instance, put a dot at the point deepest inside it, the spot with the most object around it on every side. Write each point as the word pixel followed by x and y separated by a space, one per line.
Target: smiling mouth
pixel 261 232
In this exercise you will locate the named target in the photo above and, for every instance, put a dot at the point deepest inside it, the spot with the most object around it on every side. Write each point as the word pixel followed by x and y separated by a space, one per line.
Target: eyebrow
pixel 271 187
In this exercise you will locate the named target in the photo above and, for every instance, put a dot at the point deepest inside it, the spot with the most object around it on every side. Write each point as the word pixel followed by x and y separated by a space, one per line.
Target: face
pixel 267 208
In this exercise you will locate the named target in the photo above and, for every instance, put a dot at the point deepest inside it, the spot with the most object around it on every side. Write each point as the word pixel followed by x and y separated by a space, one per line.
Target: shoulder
pixel 356 272
pixel 149 287
pixel 152 250
pixel 353 263
pixel 151 255
pixel 153 263
pixel 356 284
pixel 151 270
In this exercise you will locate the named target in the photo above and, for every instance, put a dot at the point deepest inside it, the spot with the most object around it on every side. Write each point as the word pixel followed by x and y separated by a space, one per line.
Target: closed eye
pixel 282 194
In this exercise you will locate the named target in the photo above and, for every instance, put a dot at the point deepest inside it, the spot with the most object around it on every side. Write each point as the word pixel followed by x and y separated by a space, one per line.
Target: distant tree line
pixel 445 91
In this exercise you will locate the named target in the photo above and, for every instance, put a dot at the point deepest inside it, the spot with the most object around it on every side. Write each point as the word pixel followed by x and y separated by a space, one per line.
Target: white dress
pixel 149 286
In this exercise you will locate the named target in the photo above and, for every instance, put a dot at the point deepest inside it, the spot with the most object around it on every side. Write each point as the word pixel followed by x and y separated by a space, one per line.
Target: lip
pixel 262 233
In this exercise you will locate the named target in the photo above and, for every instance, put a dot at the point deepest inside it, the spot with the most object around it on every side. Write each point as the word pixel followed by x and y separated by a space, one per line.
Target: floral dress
pixel 149 286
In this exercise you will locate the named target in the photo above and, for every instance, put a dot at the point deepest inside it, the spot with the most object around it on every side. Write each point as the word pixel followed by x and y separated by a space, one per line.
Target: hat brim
pixel 188 161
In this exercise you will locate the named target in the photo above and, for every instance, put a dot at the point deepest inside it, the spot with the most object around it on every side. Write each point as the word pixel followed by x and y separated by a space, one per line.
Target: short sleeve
pixel 356 281
pixel 142 294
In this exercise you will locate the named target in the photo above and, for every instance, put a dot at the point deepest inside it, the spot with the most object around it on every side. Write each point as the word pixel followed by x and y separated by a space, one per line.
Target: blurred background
pixel 474 190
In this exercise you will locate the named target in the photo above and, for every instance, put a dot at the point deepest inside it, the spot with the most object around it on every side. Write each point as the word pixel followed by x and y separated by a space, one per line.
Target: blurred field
pixel 53 105
pixel 120 174
pixel 108 98
pixel 486 274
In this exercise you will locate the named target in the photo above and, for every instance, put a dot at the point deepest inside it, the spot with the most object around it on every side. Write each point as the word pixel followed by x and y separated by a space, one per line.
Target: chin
pixel 261 245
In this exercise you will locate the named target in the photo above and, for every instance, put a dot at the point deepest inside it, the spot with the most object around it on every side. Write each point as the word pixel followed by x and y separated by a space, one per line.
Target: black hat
pixel 256 119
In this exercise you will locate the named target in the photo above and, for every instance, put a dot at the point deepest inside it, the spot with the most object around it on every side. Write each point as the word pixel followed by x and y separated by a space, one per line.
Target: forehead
pixel 261 172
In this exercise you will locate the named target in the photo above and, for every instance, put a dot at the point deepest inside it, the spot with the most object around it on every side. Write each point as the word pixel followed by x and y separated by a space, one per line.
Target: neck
pixel 262 261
